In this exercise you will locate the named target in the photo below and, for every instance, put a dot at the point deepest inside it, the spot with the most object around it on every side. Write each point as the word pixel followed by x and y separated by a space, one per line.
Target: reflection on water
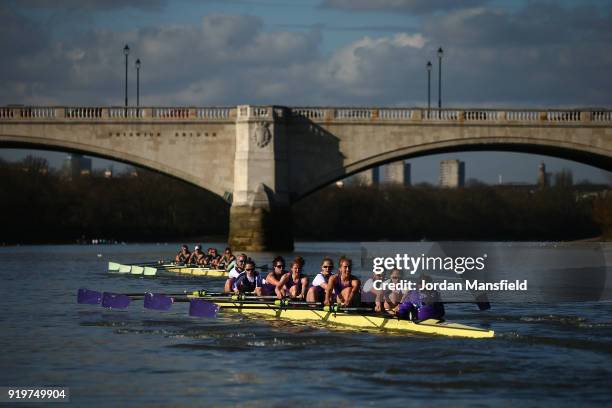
pixel 551 353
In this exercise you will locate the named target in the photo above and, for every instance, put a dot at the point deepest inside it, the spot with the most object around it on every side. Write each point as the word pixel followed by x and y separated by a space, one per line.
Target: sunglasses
pixel 240 261
pixel 279 266
pixel 328 266
pixel 249 270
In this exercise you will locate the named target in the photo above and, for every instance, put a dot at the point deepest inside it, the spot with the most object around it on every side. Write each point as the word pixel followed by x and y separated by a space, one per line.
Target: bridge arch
pixel 206 183
pixel 570 150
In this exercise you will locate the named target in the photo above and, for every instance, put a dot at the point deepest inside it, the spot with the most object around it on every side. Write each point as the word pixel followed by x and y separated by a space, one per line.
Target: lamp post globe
pixel 138 82
pixel 126 51
pixel 428 87
pixel 440 53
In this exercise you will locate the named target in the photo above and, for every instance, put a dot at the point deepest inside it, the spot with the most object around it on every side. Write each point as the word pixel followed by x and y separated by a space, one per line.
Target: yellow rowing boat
pixel 355 320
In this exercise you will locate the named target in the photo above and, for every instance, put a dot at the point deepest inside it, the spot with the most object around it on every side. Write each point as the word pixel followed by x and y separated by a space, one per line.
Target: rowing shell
pixel 214 273
pixel 115 267
pixel 359 321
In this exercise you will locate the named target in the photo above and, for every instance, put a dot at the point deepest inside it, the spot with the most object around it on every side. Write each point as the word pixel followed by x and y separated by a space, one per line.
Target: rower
pixel 345 286
pixel 233 274
pixel 316 293
pixel 371 297
pixel 227 261
pixel 248 281
pixel 214 258
pixel 197 257
pixel 273 278
pixel 393 297
pixel 294 283
pixel 419 305
pixel 183 255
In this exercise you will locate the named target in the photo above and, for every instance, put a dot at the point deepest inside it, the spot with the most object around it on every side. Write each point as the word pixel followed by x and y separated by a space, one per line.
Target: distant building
pixel 543 177
pixel 398 172
pixel 452 173
pixel 367 177
pixel 75 165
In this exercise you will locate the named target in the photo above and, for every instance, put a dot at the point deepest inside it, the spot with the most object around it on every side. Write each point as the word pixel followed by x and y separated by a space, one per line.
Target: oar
pixel 88 297
pixel 108 299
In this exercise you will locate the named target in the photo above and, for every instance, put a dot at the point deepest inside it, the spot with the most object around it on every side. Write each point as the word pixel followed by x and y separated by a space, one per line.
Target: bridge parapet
pixel 315 114
pixel 499 116
pixel 28 113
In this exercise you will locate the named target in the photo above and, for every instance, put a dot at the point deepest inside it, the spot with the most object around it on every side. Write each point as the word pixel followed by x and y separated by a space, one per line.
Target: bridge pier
pixel 260 216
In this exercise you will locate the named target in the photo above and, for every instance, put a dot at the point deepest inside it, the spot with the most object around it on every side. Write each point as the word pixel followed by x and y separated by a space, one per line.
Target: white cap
pixel 197 247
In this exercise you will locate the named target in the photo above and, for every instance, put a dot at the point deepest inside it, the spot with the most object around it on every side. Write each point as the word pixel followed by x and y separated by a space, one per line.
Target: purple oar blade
pixel 202 308
pixel 157 301
pixel 88 297
pixel 115 300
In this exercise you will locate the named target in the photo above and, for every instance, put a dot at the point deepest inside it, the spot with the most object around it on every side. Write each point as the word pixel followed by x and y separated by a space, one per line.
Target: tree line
pixel 43 206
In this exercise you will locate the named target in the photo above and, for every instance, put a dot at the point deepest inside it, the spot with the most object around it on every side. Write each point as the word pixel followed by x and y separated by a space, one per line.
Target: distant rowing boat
pixel 369 321
pixel 152 269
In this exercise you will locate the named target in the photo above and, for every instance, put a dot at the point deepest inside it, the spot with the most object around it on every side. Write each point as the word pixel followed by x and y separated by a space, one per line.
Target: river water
pixel 548 354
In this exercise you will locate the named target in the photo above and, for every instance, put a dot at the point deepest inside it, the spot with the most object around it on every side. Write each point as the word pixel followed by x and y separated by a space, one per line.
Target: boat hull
pixel 358 321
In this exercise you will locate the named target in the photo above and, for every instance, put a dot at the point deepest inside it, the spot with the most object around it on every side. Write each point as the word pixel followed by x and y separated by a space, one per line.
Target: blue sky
pixel 535 54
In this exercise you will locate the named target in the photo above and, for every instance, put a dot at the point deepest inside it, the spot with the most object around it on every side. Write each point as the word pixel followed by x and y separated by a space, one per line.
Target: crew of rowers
pixel 341 288
pixel 211 259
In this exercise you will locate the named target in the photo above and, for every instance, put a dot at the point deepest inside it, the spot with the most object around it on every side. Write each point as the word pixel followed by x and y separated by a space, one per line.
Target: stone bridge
pixel 262 159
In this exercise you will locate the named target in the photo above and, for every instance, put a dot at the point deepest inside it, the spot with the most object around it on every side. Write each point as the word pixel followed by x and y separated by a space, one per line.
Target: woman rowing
pixel 183 255
pixel 248 281
pixel 316 293
pixel 226 259
pixel 235 272
pixel 393 297
pixel 294 283
pixel 345 286
pixel 370 296
pixel 213 258
pixel 274 277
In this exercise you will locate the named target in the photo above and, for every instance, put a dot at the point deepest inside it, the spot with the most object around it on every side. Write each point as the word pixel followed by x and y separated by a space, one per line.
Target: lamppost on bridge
pixel 138 82
pixel 440 53
pixel 428 87
pixel 126 51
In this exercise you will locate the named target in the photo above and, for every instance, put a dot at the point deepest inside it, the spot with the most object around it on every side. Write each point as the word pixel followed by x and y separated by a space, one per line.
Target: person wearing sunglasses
pixel 235 272
pixel 316 293
pixel 274 277
pixel 248 281
pixel 294 283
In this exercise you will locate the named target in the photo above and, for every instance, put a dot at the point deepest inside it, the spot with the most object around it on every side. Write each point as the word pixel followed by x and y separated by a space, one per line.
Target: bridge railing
pixel 450 115
pixel 315 114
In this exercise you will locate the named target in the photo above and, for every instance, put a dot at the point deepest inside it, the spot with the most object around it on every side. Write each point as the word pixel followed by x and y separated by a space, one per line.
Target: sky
pixel 497 53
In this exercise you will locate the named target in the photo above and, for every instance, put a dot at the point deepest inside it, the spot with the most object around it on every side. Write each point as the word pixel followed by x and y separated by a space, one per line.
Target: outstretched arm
pixel 279 286
pixel 355 285
pixel 328 290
